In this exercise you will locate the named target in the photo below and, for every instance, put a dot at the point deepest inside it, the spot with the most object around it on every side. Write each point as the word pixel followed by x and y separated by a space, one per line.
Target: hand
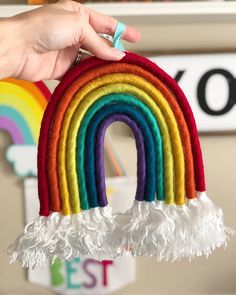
pixel 48 39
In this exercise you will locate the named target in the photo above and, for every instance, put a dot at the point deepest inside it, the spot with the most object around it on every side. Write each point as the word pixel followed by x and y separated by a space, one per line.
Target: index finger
pixel 106 24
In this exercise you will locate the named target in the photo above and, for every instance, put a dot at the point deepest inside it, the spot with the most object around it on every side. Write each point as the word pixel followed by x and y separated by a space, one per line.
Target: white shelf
pixel 177 26
pixel 178 10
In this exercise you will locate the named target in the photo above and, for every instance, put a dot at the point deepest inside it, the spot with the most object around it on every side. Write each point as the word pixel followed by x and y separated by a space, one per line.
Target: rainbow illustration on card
pixel 22 105
pixel 171 216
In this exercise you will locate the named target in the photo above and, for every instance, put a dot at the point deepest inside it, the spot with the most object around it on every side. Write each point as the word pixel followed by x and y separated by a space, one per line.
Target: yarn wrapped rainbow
pixel 171 216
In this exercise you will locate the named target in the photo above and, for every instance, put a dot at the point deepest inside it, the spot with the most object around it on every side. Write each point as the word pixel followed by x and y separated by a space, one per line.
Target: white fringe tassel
pixel 207 230
pixel 144 230
pixel 149 229
pixel 64 237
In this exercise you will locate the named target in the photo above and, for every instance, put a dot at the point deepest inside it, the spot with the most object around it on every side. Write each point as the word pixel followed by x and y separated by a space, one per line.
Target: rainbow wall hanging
pixel 171 216
pixel 22 105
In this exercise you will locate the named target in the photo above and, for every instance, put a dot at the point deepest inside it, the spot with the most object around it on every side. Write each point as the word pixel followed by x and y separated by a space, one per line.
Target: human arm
pixel 43 43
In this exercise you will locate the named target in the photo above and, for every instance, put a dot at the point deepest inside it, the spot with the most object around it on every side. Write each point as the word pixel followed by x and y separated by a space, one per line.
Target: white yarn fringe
pixel 149 229
pixel 199 229
pixel 207 230
pixel 144 230
pixel 64 237
pixel 170 232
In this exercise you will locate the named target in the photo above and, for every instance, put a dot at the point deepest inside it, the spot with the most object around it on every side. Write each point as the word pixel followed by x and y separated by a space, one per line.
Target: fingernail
pixel 117 53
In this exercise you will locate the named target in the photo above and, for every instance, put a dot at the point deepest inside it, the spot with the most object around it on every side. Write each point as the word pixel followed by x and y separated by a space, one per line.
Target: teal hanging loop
pixel 117 43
